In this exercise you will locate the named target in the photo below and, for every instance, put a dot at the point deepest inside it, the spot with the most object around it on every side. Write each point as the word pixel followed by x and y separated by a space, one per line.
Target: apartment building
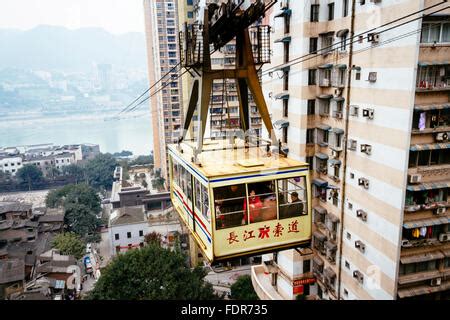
pixel 161 28
pixel 369 113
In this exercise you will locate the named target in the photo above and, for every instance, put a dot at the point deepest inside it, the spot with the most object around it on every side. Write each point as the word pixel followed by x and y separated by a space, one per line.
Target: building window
pixel 312 77
pixel 285 107
pixel 286 80
pixel 190 14
pixel 286 52
pixel 128 235
pixel 309 136
pixel 313 45
pixel 285 134
pixel 306 266
pixel 141 233
pixel 314 13
pixel 116 236
pixel 311 107
pixel 330 11
pixel 345 8
pixel 436 32
pixel 326 42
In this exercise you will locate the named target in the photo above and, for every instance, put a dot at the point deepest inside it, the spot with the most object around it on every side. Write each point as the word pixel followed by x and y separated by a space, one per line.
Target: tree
pixel 81 205
pixel 69 244
pixel 151 273
pixel 75 171
pixel 5 177
pixel 142 160
pixel 29 174
pixel 100 170
pixel 242 289
pixel 153 237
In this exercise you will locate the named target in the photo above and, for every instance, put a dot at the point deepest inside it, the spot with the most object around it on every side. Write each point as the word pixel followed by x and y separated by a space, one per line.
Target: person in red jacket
pixel 255 205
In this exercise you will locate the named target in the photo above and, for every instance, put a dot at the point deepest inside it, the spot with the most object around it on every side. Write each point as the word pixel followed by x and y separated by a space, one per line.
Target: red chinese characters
pixel 248 235
pixel 278 230
pixel 232 238
pixel 264 232
pixel 293 227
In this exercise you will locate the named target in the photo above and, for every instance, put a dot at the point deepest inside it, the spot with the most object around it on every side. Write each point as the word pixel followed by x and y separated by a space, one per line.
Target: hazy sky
pixel 116 16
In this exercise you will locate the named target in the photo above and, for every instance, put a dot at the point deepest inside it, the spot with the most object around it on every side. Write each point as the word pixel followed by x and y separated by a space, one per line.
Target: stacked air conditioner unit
pixel 352 144
pixel 358 276
pixel 361 214
pixel 354 111
pixel 360 246
pixel 414 178
pixel 442 136
pixel 444 237
pixel 366 148
pixel 440 211
pixel 368 113
pixel 363 182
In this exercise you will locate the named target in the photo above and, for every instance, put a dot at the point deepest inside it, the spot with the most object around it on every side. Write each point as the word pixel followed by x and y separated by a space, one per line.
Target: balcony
pixel 262 283
pixel 433 76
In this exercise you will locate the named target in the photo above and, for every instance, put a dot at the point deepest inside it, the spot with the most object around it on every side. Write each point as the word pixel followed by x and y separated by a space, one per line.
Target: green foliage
pixel 142 160
pixel 81 205
pixel 144 184
pixel 100 170
pixel 242 289
pixel 69 244
pixel 123 153
pixel 75 171
pixel 5 177
pixel 29 174
pixel 151 273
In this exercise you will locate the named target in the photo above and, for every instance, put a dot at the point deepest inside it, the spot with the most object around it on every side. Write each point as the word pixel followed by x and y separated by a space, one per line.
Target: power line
pixel 332 47
pixel 153 85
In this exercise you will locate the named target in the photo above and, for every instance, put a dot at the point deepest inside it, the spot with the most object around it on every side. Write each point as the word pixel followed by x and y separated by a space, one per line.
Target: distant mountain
pixel 57 48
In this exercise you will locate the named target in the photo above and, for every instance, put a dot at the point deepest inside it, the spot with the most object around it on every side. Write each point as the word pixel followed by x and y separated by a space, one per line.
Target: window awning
pixel 282 95
pixel 326 66
pixel 341 66
pixel 320 183
pixel 426 222
pixel 318 261
pixel 284 13
pixel 284 39
pixel 319 235
pixel 422 257
pixel 320 209
pixel 430 107
pixel 331 245
pixel 325 96
pixel 323 127
pixel 342 33
pixel 334 162
pixel 283 68
pixel 279 124
pixel 322 156
pixel 329 273
pixel 337 99
pixel 432 63
pixel 327 33
pixel 337 130
pixel 428 186
pixel 332 218
pixel 429 146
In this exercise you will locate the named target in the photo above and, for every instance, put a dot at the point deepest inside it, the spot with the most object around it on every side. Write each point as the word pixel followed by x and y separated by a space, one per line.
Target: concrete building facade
pixel 369 112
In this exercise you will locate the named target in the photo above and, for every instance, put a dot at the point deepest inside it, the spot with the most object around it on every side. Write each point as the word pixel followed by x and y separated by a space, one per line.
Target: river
pixel 133 133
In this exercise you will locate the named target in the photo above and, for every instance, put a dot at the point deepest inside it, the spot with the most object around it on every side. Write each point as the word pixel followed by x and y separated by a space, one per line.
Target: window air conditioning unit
pixel 334 154
pixel 372 77
pixel 373 37
pixel 368 113
pixel 406 243
pixel 440 210
pixel 361 214
pixel 360 246
pixel 415 178
pixel 338 115
pixel 363 182
pixel 366 148
pixel 354 111
pixel 443 237
pixel 337 92
pixel 352 144
pixel 358 276
pixel 442 136
pixel 436 282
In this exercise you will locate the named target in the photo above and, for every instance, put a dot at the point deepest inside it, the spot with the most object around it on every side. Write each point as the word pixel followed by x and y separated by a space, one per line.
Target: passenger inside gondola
pixel 228 205
pixel 294 189
pixel 262 201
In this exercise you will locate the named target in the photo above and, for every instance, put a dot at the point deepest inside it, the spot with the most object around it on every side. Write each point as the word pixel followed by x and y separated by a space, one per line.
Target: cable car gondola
pixel 237 198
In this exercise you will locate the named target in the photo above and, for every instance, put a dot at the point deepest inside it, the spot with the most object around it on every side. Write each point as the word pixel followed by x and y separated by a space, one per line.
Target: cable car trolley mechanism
pixel 240 196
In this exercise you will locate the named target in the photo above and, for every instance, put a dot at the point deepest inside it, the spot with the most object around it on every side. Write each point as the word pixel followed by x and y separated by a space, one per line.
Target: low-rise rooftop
pixel 128 215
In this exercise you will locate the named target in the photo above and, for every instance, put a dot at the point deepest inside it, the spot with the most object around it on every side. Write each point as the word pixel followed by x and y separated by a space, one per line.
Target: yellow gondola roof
pixel 220 159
